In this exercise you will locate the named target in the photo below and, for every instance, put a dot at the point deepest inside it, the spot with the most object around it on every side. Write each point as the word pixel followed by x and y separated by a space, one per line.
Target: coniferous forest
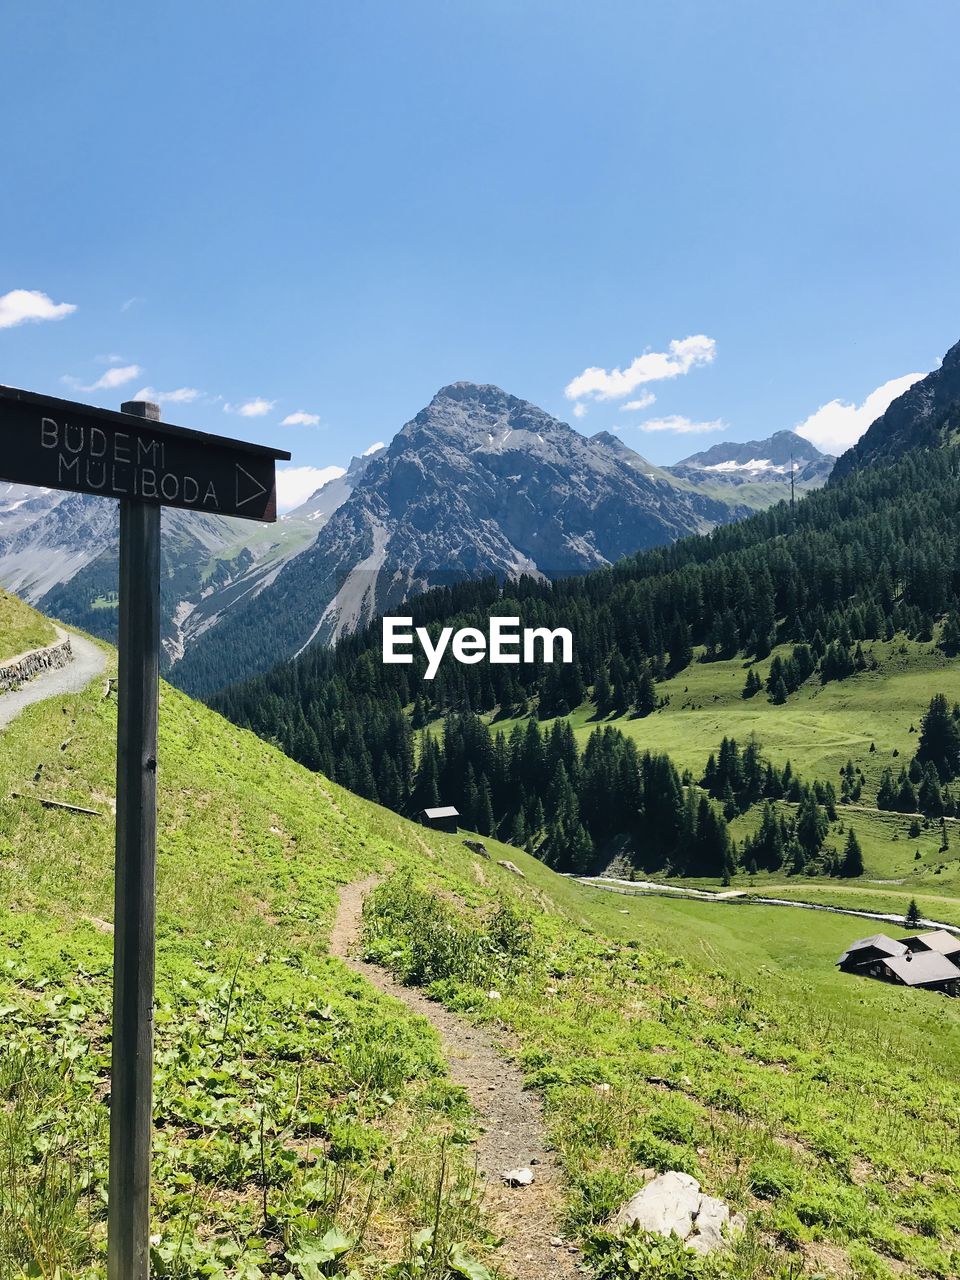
pixel 870 557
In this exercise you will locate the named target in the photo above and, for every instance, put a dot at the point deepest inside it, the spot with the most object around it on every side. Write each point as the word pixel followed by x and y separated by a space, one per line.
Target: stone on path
pixel 518 1177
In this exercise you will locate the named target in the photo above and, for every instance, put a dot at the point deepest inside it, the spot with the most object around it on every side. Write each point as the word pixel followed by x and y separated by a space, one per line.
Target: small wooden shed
pixel 446 818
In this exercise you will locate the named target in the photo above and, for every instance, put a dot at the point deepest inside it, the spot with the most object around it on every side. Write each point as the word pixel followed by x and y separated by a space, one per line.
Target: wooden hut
pixel 446 818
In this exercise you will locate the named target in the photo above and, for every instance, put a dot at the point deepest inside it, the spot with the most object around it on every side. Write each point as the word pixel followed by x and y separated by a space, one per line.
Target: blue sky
pixel 330 210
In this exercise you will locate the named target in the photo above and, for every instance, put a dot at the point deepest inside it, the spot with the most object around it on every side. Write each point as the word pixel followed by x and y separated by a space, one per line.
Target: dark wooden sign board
pixel 62 445
pixel 130 456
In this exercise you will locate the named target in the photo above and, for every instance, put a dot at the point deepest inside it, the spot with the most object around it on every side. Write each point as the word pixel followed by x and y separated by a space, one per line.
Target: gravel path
pixel 513 1130
pixel 87 663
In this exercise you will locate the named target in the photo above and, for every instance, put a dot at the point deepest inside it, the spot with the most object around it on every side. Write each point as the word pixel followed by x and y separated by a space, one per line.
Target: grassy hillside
pixel 721 1042
pixel 21 628
pixel 288 1098
pixel 293 1102
pixel 819 728
pixel 871 719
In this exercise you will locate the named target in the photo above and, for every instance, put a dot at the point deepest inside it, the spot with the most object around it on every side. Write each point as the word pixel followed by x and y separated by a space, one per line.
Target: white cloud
pixel 837 425
pixel 296 484
pixel 683 355
pixel 374 448
pixel 256 408
pixel 301 419
pixel 579 410
pixel 681 426
pixel 130 302
pixel 118 376
pixel 182 395
pixel 644 402
pixel 22 305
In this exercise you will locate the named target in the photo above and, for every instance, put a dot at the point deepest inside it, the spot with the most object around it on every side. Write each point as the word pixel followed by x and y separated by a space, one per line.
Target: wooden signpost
pixel 146 465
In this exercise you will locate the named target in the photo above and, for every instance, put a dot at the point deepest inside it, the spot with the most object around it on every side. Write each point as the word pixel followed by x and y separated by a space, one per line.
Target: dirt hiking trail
pixel 512 1119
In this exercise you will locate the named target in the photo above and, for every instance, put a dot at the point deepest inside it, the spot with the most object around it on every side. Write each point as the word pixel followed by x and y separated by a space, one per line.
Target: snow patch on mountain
pixel 753 465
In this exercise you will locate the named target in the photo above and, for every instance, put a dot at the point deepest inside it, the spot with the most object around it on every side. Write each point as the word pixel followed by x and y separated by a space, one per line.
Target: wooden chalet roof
pixel 922 968
pixel 878 942
pixel 948 944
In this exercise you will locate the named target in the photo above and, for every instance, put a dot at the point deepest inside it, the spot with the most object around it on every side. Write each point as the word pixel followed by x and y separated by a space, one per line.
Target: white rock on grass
pixel 672 1204
pixel 714 1224
pixel 666 1206
pixel 511 867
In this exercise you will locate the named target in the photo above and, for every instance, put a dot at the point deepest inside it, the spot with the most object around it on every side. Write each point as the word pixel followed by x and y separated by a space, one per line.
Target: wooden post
pixel 131 1093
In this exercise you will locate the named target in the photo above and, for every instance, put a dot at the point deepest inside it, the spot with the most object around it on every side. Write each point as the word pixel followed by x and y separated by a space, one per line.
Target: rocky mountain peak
pixel 922 418
pixel 478 483
pixel 775 451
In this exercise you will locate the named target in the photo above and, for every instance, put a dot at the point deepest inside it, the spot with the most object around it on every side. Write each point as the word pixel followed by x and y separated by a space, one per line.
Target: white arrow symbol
pixel 258 487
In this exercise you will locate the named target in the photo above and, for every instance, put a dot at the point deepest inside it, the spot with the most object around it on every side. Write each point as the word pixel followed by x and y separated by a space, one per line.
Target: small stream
pixel 646 888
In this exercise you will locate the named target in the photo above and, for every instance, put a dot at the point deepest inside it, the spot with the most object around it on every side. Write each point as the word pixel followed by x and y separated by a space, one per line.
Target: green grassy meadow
pixel 818 730
pixel 306 1126
pixel 21 628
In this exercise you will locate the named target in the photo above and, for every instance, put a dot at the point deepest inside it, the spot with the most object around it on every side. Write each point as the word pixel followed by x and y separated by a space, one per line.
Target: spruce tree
pixel 950 639
pixel 646 694
pixel 485 821
pixel 518 832
pixel 852 864
pixel 940 738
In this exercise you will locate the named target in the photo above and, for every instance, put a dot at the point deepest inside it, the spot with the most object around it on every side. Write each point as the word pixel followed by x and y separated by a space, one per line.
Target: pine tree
pixel 680 647
pixel 518 832
pixel 778 694
pixel 602 694
pixel 753 683
pixel 906 796
pixel 940 738
pixel 852 864
pixel 887 792
pixel 929 794
pixel 471 800
pixel 913 917
pixel 646 694
pixel 485 821
pixel 812 826
pixel 950 639
pixel 579 849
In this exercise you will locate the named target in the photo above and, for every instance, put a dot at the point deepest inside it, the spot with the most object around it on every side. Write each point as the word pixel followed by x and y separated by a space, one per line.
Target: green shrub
pixel 596 1195
pixel 772 1177
pixel 639 1253
pixel 648 1149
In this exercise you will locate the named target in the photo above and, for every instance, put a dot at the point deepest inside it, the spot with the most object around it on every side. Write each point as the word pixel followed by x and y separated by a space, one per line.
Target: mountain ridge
pixel 923 416
pixel 766 466
pixel 479 482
